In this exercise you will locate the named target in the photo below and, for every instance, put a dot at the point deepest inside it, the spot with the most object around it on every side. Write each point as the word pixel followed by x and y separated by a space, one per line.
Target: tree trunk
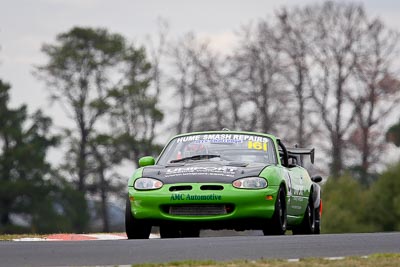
pixel 365 156
pixel 337 164
pixel 103 192
pixel 82 159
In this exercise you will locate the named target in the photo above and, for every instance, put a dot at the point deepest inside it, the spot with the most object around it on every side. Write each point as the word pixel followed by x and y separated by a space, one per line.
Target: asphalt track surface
pixel 122 252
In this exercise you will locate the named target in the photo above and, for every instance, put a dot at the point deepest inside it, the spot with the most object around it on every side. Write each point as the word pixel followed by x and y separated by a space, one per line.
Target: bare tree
pixel 187 89
pixel 293 41
pixel 377 93
pixel 198 84
pixel 256 67
pixel 337 29
pixel 157 53
pixel 322 72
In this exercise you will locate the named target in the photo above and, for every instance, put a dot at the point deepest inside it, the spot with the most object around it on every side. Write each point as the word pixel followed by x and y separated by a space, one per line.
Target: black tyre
pixel 308 225
pixel 278 223
pixel 317 230
pixel 135 229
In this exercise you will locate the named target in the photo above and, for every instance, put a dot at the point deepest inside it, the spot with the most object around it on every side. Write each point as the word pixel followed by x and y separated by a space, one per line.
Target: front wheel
pixel 135 229
pixel 278 223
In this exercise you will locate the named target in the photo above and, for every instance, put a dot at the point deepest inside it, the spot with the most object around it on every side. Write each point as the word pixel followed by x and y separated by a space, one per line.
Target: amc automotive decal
pixel 195 197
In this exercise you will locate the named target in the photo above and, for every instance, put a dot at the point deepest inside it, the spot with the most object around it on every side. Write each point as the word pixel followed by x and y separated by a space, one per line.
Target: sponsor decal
pixel 179 197
pixel 298 192
pixel 226 141
pixel 224 138
pixel 190 138
pixel 298 198
pixel 209 171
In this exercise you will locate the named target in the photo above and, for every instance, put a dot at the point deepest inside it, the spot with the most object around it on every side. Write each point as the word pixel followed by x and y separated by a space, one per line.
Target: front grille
pixel 198 210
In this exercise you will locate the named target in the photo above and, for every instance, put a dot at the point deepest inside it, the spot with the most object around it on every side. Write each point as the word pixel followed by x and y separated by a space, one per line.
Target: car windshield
pixel 244 148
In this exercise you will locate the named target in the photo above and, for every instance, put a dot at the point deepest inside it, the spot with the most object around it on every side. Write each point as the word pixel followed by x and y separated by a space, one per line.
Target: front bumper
pixel 240 204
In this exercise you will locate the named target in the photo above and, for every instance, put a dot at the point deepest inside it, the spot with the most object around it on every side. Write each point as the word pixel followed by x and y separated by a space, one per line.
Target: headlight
pixel 250 183
pixel 147 184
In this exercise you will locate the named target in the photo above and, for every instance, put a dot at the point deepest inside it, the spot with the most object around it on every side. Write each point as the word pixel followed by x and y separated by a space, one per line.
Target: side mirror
pixel 316 178
pixel 146 161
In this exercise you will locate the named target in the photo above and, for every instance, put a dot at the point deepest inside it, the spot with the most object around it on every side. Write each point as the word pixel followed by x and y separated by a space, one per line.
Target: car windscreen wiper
pixel 196 157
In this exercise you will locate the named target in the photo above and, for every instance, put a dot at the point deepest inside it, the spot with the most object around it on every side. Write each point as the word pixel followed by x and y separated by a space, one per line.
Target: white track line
pixel 96 236
pixel 29 239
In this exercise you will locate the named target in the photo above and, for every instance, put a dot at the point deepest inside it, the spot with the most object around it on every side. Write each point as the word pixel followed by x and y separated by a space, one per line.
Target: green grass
pixel 375 260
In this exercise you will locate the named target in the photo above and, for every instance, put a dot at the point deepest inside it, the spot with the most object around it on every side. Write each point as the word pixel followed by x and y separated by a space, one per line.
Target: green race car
pixel 223 180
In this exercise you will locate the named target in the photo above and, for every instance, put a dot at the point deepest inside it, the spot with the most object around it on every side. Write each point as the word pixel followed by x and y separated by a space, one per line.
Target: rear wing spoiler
pixel 296 151
pixel 295 154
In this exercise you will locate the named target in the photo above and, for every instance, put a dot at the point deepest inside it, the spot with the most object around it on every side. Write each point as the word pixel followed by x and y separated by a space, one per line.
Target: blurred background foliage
pixel 322 75
pixel 351 207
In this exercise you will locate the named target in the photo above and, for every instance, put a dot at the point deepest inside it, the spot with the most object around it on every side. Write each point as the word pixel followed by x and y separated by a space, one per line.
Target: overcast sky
pixel 26 24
